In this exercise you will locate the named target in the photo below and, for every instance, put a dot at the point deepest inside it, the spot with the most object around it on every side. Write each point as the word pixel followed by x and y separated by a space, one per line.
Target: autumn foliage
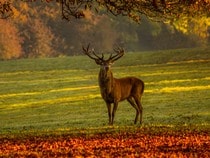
pixel 120 144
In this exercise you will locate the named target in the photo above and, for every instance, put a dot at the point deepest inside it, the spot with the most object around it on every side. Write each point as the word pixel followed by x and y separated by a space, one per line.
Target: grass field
pixel 52 99
pixel 62 93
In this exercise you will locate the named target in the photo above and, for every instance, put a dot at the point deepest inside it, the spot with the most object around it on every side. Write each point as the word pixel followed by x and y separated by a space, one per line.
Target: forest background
pixel 38 30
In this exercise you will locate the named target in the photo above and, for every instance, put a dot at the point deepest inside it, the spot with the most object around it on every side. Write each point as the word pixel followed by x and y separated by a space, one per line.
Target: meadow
pixel 52 107
pixel 62 94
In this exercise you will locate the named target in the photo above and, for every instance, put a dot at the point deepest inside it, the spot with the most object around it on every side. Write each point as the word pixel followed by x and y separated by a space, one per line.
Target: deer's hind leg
pixel 139 105
pixel 131 101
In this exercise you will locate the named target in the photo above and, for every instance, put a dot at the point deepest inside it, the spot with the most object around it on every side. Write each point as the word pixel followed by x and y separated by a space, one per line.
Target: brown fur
pixel 114 90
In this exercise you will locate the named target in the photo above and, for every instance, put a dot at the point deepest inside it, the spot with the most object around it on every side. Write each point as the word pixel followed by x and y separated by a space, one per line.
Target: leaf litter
pixel 118 144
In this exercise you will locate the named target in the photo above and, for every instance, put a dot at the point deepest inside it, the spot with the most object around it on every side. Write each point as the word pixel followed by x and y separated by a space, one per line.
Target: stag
pixel 114 90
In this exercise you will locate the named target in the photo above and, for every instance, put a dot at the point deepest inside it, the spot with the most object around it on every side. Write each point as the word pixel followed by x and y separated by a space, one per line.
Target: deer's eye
pixel 98 62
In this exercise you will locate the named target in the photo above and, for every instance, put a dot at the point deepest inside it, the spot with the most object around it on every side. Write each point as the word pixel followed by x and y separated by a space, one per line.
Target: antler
pixel 88 53
pixel 120 53
pixel 91 54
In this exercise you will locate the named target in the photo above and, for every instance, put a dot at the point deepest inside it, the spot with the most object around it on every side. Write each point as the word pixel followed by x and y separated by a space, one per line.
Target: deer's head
pixel 104 63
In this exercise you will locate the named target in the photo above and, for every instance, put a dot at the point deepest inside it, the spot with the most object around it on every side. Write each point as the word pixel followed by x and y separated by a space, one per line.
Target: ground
pixel 140 142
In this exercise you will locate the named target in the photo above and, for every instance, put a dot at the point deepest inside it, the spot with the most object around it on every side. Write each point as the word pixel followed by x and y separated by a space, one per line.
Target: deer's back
pixel 128 86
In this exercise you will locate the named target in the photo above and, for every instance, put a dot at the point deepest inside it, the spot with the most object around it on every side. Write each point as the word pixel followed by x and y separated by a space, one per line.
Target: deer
pixel 114 90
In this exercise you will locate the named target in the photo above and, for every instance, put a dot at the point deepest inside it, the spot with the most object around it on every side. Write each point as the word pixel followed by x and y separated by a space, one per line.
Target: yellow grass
pixel 56 101
pixel 50 91
pixel 178 81
pixel 178 89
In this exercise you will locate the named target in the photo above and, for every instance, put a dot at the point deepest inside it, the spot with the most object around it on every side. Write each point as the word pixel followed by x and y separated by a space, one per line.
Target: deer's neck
pixel 106 80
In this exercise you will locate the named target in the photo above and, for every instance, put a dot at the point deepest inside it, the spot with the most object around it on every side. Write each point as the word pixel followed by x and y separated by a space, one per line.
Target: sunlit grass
pixel 61 94
pixel 184 89
pixel 178 89
pixel 49 91
pixel 56 101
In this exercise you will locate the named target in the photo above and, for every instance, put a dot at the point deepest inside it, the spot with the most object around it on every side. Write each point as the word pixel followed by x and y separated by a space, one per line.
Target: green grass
pixel 62 94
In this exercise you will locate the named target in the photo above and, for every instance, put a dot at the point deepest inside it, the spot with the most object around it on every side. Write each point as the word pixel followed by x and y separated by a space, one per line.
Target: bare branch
pixel 5 9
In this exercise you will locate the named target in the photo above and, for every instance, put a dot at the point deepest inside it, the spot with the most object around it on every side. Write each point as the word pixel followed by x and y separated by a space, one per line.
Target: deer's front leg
pixel 109 112
pixel 114 111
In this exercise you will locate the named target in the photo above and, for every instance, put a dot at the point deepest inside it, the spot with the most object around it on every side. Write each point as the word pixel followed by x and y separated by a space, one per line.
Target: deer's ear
pixel 111 63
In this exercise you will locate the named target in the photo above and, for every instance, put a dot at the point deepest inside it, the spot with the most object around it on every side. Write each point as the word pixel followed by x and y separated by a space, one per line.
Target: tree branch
pixel 154 9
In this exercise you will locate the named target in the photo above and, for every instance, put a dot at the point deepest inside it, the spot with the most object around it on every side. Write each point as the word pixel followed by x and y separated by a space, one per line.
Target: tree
pixel 195 26
pixel 40 31
pixel 39 43
pixel 32 20
pixel 10 41
pixel 154 9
